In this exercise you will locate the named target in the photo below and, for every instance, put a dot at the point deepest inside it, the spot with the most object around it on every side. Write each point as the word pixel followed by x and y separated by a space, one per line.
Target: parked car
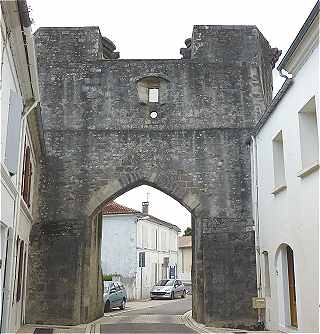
pixel 168 288
pixel 114 295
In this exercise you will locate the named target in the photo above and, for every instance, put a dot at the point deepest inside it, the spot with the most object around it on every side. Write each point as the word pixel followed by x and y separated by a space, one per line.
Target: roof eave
pixel 269 111
pixel 299 37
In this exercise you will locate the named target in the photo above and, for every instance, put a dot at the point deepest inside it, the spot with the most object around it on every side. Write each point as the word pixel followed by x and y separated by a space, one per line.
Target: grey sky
pixel 157 29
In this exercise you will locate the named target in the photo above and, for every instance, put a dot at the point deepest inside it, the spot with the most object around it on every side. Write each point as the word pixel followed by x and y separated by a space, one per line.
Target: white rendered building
pixel 285 161
pixel 21 149
pixel 185 259
pixel 128 235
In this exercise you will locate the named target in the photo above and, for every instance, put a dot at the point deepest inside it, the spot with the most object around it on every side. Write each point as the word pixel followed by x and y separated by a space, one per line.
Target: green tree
pixel 107 277
pixel 188 231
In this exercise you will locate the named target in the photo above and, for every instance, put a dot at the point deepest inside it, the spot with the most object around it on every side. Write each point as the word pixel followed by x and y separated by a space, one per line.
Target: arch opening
pixel 109 192
pixel 140 223
pixel 287 301
pixel 144 222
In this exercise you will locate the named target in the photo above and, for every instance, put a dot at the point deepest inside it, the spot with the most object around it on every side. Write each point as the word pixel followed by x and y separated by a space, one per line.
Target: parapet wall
pixel 225 84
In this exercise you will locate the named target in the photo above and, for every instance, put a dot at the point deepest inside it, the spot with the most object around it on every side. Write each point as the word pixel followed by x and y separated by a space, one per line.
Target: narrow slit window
pixel 153 94
pixel 278 161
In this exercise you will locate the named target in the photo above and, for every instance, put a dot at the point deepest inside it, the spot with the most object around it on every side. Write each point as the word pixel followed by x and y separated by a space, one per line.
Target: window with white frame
pixel 278 161
pixel 309 138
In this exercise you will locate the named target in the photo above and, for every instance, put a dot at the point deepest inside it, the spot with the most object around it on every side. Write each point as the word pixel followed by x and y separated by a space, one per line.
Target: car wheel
pixel 107 307
pixel 172 295
pixel 123 304
pixel 183 294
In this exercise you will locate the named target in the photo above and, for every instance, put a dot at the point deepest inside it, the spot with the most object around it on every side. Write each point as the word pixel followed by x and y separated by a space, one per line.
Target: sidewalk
pixel 200 328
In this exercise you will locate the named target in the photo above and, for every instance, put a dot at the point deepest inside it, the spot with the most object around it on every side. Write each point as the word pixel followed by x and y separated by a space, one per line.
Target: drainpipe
pixel 29 109
pixel 256 220
pixel 283 75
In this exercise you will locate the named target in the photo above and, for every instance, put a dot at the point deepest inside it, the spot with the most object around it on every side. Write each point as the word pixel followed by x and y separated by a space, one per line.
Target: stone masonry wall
pixel 101 142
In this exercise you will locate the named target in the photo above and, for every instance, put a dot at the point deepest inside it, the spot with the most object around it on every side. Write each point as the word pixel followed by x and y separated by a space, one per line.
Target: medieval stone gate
pixel 178 125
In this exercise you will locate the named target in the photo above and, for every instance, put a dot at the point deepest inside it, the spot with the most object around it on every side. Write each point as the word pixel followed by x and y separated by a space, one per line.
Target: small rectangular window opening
pixel 153 94
pixel 278 161
pixel 309 138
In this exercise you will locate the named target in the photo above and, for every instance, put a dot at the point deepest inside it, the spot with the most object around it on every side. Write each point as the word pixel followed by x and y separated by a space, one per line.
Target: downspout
pixel 32 68
pixel 29 109
pixel 283 75
pixel 256 221
pixel 32 63
pixel 136 257
pixel 256 205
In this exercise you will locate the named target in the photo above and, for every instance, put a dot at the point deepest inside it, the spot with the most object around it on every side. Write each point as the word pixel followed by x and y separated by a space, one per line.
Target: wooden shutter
pixel 20 272
pixel 292 288
pixel 29 183
pixel 26 176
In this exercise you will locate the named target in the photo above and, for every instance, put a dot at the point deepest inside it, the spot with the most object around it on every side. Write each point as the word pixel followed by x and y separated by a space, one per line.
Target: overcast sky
pixel 157 29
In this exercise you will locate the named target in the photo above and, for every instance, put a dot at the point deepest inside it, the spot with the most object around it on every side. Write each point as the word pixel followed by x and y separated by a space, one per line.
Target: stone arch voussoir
pixel 185 194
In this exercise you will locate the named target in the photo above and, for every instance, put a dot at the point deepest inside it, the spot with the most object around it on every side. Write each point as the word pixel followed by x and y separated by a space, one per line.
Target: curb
pixel 192 324
pixel 200 328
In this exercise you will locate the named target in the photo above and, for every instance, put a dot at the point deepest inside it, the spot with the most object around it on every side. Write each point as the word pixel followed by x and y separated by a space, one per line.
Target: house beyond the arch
pixel 128 235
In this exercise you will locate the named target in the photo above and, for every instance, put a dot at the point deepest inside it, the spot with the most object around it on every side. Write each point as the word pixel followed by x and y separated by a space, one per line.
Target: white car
pixel 169 289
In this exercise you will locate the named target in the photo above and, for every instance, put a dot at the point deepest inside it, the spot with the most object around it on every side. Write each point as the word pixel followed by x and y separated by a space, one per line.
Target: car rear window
pixel 107 286
pixel 167 282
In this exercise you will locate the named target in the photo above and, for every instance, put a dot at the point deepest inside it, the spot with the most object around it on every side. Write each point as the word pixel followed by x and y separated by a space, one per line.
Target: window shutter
pixel 13 132
pixel 24 168
pixel 26 175
pixel 20 268
pixel 29 183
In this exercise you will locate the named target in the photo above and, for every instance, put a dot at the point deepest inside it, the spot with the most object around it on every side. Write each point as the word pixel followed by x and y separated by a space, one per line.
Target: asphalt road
pixel 164 318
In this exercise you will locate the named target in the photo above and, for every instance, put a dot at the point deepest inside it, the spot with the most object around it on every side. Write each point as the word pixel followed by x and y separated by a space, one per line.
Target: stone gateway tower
pixel 179 125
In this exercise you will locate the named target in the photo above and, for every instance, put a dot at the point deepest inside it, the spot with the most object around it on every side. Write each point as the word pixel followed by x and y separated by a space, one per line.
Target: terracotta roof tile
pixel 185 241
pixel 111 208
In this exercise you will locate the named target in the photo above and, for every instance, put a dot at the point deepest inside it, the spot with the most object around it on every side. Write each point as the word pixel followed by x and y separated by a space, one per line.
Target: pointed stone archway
pixel 102 141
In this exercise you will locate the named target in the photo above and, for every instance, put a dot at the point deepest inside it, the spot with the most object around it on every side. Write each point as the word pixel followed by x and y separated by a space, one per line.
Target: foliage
pixel 107 277
pixel 188 231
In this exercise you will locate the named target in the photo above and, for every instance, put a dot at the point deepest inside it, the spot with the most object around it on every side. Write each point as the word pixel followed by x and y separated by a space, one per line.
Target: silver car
pixel 114 295
pixel 168 288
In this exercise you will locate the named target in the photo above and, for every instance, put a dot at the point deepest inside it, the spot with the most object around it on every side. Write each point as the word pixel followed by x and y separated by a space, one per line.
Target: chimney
pixel 145 207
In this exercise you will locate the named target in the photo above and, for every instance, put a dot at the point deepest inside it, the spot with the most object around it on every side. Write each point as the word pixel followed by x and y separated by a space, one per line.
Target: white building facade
pixel 185 259
pixel 130 238
pixel 285 161
pixel 21 149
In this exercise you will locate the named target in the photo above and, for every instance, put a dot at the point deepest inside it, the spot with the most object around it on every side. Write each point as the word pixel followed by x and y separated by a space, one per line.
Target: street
pixel 163 317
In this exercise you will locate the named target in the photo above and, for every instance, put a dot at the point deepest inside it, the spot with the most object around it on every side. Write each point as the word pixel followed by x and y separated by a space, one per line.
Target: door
pixel 292 288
